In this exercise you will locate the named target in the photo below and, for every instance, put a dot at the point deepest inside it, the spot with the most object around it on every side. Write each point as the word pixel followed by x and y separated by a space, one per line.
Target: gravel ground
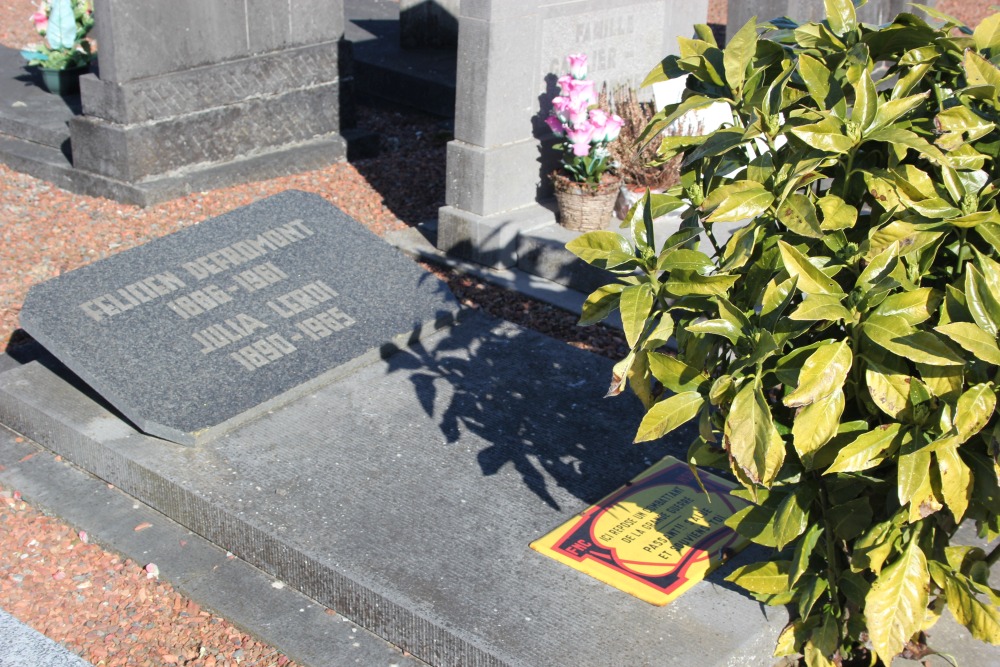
pixel 104 607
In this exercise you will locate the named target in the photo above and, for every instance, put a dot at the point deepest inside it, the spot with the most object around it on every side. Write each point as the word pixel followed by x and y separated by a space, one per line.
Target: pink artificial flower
pixel 565 84
pixel 41 22
pixel 580 136
pixel 555 125
pixel 577 65
pixel 560 106
pixel 599 119
pixel 576 114
pixel 584 90
pixel 613 127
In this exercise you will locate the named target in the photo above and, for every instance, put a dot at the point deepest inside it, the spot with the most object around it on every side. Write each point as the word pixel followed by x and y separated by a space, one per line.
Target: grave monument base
pixel 405 497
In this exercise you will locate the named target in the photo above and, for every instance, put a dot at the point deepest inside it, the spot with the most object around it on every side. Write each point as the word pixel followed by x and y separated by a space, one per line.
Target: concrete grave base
pixel 405 496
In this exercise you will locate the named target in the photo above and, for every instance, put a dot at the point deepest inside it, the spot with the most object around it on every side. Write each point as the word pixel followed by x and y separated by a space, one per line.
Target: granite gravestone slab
pixel 202 330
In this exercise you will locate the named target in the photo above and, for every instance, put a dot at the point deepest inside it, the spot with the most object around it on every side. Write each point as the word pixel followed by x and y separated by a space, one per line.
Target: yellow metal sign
pixel 654 538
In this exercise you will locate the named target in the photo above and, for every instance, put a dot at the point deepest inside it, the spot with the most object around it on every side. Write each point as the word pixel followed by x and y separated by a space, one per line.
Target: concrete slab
pixel 199 331
pixel 21 646
pixel 296 625
pixel 405 497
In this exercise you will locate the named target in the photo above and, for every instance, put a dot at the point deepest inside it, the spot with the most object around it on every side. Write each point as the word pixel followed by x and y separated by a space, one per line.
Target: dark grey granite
pixel 405 496
pixel 196 332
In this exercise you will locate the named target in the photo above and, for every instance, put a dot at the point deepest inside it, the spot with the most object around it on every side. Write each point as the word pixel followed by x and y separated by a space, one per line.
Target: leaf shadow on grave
pixel 531 405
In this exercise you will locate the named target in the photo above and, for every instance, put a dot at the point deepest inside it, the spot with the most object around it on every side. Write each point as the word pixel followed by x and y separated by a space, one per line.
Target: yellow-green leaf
pixel 601 303
pixel 738 54
pixel 770 578
pixel 956 480
pixel 837 214
pixel 676 375
pixel 894 607
pixel 973 339
pixel 810 279
pixel 974 410
pixel 912 474
pixel 602 248
pixel 987 33
pixel 822 374
pixel 841 16
pixel 636 303
pixel 892 333
pixel 914 307
pixel 828 136
pixel 737 201
pixel 890 390
pixel 981 618
pixel 816 424
pixel 798 214
pixel 751 437
pixel 668 414
pixel 867 450
pixel 817 307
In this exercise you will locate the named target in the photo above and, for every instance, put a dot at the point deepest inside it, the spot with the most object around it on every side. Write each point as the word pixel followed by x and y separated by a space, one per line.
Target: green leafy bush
pixel 838 350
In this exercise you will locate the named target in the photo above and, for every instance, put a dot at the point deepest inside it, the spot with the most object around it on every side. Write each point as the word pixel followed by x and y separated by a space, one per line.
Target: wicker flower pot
pixel 583 207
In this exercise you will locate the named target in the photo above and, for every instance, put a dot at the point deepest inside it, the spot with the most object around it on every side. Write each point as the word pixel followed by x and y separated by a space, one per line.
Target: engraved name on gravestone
pixel 195 333
pixel 619 45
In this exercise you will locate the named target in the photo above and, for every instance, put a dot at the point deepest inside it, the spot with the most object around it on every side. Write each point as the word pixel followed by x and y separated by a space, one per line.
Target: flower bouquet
pixel 586 185
pixel 64 24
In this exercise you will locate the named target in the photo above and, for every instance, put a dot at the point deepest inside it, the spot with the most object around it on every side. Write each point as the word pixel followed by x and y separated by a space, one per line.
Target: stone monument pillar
pixel 510 53
pixel 876 11
pixel 194 94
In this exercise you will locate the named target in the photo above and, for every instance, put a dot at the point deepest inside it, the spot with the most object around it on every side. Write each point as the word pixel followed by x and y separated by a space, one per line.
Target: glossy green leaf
pixel 738 54
pixel 635 306
pixel 676 375
pixel 981 618
pixel 685 260
pixel 867 450
pixel 828 136
pixel 601 303
pixel 602 249
pixel 737 201
pixel 751 437
pixel 892 333
pixel 792 516
pixel 823 373
pixel 892 110
pixel 803 550
pixel 865 100
pixel 810 279
pixel 956 480
pixel 820 307
pixel 972 339
pixel 798 214
pixel 817 424
pixel 837 214
pixel 687 283
pixel 981 72
pixel 914 307
pixel 668 414
pixel 661 333
pixel 890 390
pixel 913 473
pixel 974 410
pixel 980 301
pixel 768 578
pixel 841 15
pixel 987 33
pixel 896 603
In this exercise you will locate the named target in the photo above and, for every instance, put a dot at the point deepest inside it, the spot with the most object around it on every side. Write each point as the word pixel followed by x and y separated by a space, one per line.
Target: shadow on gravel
pixel 409 170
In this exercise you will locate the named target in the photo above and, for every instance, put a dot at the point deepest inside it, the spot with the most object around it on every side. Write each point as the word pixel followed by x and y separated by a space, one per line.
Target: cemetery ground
pixel 47 568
